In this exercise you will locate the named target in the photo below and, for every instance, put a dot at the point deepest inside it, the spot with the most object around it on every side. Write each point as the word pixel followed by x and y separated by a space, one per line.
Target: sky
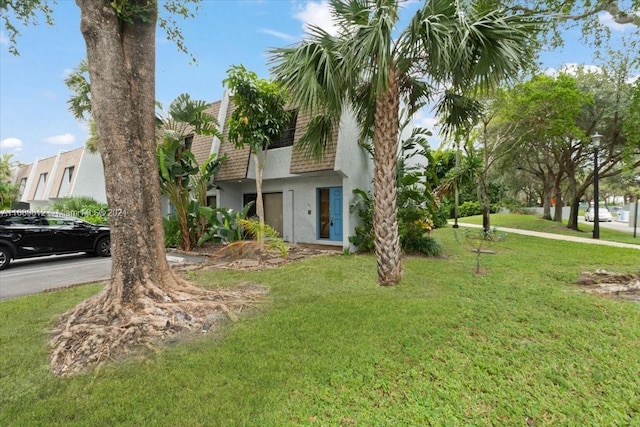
pixel 35 122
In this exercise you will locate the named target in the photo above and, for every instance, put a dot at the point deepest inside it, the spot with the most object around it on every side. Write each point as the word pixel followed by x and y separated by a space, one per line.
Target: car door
pixel 33 236
pixel 71 235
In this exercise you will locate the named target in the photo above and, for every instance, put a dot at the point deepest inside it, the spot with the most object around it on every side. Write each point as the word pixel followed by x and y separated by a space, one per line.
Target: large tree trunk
pixel 144 298
pixel 385 211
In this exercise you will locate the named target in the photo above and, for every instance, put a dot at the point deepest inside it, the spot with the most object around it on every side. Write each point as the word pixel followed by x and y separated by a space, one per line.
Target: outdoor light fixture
pixel 595 139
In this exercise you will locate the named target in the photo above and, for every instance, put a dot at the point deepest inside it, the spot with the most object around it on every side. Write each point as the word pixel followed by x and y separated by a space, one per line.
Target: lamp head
pixel 595 139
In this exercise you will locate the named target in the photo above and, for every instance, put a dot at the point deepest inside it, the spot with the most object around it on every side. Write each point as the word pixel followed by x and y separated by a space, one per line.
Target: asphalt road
pixel 34 275
pixel 614 225
pixel 30 276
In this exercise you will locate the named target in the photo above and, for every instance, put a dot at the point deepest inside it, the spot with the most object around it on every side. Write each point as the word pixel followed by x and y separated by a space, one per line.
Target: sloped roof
pixel 201 145
pixel 67 159
pixel 237 164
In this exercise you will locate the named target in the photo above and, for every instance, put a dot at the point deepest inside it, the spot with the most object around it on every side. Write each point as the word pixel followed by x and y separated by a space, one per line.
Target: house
pixel 68 174
pixel 306 201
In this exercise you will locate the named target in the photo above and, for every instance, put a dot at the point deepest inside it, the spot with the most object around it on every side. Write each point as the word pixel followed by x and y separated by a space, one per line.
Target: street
pixel 29 276
pixel 34 275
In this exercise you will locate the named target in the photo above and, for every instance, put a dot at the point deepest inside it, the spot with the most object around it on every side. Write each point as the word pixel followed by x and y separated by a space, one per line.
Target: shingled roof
pixel 237 164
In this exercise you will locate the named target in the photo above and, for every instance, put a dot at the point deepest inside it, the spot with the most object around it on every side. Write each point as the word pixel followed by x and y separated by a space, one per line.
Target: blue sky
pixel 35 122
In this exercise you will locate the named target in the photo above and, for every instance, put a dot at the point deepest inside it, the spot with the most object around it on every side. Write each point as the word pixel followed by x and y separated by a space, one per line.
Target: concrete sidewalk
pixel 552 236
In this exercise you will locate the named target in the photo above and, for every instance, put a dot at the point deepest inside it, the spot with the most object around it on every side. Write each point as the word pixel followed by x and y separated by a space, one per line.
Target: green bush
pixel 83 207
pixel 414 240
pixel 172 236
pixel 469 209
pixel 364 238
pixel 414 224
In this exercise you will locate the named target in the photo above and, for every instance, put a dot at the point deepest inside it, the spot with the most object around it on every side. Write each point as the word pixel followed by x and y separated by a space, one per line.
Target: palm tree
pixel 365 69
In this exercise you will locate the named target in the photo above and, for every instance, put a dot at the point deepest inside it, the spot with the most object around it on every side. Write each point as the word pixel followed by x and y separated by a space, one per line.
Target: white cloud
pixel 316 13
pixel 3 39
pixel 65 139
pixel 11 144
pixel 278 34
pixel 606 19
pixel 573 69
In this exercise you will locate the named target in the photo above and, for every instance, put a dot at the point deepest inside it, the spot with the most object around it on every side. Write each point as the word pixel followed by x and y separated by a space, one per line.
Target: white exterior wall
pixel 354 169
pixel 89 179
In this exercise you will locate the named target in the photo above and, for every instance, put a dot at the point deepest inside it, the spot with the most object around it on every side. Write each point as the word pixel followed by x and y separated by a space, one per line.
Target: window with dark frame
pixel 285 139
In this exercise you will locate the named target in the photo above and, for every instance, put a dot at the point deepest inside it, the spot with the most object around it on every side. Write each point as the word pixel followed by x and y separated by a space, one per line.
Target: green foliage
pixel 264 234
pixel 364 237
pixel 259 115
pixel 172 235
pixel 9 192
pixel 83 207
pixel 469 209
pixel 130 11
pixel 415 226
pixel 79 104
pixel 416 239
pixel 444 348
pixel 223 224
pixel 182 180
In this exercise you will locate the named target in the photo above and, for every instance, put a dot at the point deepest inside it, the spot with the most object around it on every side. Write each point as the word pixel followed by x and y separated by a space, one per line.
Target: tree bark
pixel 121 60
pixel 144 299
pixel 385 158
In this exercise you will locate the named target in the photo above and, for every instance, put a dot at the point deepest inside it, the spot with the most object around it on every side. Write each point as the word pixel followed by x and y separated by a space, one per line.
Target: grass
pixel 536 223
pixel 516 345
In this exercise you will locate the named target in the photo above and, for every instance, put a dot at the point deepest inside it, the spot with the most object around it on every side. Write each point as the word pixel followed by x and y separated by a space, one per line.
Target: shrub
pixel 172 236
pixel 364 237
pixel 416 238
pixel 414 226
pixel 83 207
pixel 469 209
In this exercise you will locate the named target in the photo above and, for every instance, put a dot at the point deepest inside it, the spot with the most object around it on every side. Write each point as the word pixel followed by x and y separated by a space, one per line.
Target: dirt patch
pixel 247 256
pixel 604 282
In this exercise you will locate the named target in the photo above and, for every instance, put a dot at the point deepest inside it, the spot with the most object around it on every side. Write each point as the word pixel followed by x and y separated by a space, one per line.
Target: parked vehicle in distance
pixel 28 234
pixel 603 215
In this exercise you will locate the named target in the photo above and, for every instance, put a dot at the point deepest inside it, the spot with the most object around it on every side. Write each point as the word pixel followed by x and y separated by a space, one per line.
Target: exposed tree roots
pixel 102 329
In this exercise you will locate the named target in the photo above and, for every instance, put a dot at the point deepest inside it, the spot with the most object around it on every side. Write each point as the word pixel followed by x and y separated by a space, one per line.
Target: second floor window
pixel 285 139
pixel 40 188
pixel 66 182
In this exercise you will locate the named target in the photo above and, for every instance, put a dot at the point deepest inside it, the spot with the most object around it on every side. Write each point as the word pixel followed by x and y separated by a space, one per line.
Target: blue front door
pixel 335 213
pixel 330 213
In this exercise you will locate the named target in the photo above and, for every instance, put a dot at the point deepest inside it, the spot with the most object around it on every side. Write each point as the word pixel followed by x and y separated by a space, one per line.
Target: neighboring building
pixel 69 174
pixel 306 201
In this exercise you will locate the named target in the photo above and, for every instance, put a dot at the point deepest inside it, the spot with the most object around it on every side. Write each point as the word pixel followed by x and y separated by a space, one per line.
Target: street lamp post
pixel 595 139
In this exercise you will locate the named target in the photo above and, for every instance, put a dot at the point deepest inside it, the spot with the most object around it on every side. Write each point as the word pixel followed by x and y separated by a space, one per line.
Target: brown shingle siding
pixel 237 163
pixel 238 159
pixel 201 146
pixel 68 159
pixel 44 166
pixel 300 162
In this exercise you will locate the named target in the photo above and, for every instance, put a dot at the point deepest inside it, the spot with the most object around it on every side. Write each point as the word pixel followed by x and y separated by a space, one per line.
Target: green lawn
pixel 518 345
pixel 536 223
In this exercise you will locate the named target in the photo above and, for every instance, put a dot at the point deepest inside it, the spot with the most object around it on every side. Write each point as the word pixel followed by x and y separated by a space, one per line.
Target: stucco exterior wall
pixel 89 180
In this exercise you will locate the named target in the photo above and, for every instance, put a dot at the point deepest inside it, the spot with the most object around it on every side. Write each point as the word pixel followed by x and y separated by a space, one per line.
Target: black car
pixel 27 234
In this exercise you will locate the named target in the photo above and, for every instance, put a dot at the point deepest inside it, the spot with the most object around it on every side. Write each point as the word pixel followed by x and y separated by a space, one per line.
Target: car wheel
pixel 5 257
pixel 103 247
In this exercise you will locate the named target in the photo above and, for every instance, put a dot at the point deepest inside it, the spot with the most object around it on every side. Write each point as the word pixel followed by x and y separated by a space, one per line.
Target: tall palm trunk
pixel 385 221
